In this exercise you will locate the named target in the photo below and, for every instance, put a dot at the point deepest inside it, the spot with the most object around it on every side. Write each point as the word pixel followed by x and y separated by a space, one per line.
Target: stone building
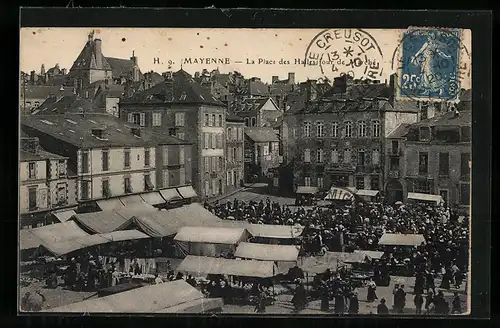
pixel 180 107
pixel 262 159
pixel 432 156
pixel 110 158
pixel 234 152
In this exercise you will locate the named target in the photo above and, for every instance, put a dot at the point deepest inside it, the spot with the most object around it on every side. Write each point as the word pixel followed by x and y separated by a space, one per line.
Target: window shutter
pixel 182 173
pixel 130 118
pixel 142 119
pixel 181 155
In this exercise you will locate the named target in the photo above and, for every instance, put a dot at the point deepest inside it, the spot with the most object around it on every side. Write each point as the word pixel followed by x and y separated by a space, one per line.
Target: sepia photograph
pixel 245 171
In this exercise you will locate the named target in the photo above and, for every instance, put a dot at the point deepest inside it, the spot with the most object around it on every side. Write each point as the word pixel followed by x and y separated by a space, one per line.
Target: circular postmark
pixel 429 64
pixel 353 52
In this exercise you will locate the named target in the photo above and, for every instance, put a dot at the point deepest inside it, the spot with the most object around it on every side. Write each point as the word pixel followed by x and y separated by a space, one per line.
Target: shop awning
pixel 425 197
pixel 336 193
pixel 146 299
pixel 203 234
pixel 101 222
pixel 168 222
pixel 319 264
pixel 267 252
pixel 397 239
pixel 274 231
pixel 64 216
pixel 153 198
pixel 65 247
pixel 110 204
pixel 374 255
pixel 367 193
pixel 344 257
pixel 187 192
pixel 202 265
pixel 170 194
pixel 307 190
pixel 136 202
pixel 202 305
pixel 50 234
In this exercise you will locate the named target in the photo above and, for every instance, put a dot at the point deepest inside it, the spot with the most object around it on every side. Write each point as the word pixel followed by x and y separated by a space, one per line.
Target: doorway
pixel 394 191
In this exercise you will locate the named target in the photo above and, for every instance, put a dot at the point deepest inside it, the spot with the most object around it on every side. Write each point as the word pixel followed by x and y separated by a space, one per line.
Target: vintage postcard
pixel 269 171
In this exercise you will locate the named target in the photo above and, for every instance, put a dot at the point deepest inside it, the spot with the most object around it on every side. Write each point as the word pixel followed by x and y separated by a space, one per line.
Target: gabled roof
pixel 76 129
pixel 66 104
pixel 25 156
pixel 464 118
pixel 400 132
pixel 44 91
pixel 87 59
pixel 257 88
pixel 261 134
pixel 153 77
pixel 121 67
pixel 184 90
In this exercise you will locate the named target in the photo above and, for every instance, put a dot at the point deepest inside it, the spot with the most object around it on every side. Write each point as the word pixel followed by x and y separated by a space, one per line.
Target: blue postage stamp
pixel 429 64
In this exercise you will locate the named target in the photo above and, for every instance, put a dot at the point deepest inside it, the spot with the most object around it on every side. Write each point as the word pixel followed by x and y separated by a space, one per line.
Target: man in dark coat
pixel 299 299
pixel 382 308
pixel 339 302
pixel 456 304
pixel 418 300
pixel 325 297
pixel 354 303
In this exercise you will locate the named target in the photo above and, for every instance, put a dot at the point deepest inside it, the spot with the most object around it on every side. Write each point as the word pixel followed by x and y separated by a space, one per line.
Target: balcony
pixel 395 152
pixel 394 174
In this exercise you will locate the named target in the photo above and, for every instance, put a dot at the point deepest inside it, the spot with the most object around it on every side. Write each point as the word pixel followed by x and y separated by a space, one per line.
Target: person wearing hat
pixel 456 304
pixel 325 296
pixel 354 303
pixel 382 308
pixel 418 300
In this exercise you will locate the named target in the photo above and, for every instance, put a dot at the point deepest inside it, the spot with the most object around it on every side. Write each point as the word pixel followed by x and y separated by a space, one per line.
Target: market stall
pixel 285 256
pixel 146 299
pixel 136 202
pixel 338 196
pixel 305 195
pixel 368 195
pixel 153 198
pixel 110 204
pixel 208 241
pixel 425 198
pixel 399 239
pixel 101 222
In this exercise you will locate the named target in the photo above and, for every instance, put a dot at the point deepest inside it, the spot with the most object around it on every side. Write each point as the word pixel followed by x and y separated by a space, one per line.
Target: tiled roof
pixel 25 156
pixel 221 79
pixel 400 132
pixel 66 104
pixel 261 134
pixel 121 67
pixel 249 104
pixel 184 90
pixel 57 80
pixel 44 91
pixel 76 129
pixel 464 118
pixel 257 88
pixel 153 77
pixel 279 88
pixel 87 59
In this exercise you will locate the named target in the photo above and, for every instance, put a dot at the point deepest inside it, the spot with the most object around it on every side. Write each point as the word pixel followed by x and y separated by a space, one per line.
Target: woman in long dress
pixel 372 295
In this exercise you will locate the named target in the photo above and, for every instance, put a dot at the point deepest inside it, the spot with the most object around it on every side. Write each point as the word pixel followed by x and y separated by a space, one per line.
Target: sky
pixel 270 49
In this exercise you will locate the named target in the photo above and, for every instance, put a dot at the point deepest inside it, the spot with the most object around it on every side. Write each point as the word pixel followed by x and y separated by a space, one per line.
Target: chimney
pixel 136 131
pixel 291 78
pixel 169 84
pixel 274 79
pixel 98 53
pixel 196 75
pixel 33 77
pixel 311 90
pixel 30 145
pixel 42 70
pixel 64 71
pixel 456 113
pixel 98 133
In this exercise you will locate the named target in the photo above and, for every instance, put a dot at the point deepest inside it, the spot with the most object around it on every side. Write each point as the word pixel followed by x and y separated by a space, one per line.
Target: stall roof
pixel 170 194
pixel 212 265
pixel 109 204
pixel 101 222
pixel 201 305
pixel 64 216
pixel 147 299
pixel 75 244
pixel 344 257
pixel 153 198
pixel 336 193
pixel 366 192
pixel 187 192
pixel 398 239
pixel 307 190
pixel 50 234
pixel 319 264
pixel 203 234
pixel 425 197
pixel 274 231
pixel 267 252
pixel 136 202
pixel 167 222
pixel 375 255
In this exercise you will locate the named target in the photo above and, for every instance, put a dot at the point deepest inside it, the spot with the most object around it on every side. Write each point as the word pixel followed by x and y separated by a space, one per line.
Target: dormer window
pixel 98 133
pixel 425 133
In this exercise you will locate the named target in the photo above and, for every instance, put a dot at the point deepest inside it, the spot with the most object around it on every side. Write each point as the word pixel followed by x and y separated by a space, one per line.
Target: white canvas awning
pixel 170 194
pixel 50 234
pixel 399 239
pixel 229 236
pixel 336 193
pixel 64 216
pixel 367 193
pixel 110 204
pixel 202 305
pixel 153 198
pixel 267 252
pixel 425 197
pixel 375 255
pixel 212 265
pixel 187 192
pixel 307 190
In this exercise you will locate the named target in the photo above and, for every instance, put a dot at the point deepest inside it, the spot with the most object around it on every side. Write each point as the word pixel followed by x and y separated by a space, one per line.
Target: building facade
pixel 108 157
pixel 432 156
pixel 340 140
pixel 180 107
pixel 262 159
pixel 234 152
